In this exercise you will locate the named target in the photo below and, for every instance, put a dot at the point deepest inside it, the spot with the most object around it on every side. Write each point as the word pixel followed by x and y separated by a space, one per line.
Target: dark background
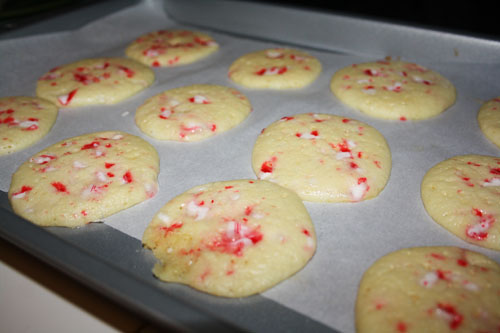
pixel 477 18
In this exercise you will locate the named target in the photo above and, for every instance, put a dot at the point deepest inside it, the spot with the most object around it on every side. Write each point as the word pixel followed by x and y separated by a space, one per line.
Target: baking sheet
pixel 351 236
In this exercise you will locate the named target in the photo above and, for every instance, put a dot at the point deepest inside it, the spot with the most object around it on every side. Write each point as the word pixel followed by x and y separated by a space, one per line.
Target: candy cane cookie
pixel 488 118
pixel 24 121
pixel 232 239
pixel 94 81
pixel 192 113
pixel 84 179
pixel 323 157
pixel 168 48
pixel 462 194
pixel 278 68
pixel 393 90
pixel 430 289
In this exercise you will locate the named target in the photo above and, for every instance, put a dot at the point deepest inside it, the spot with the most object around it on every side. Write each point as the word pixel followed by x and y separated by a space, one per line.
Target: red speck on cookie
pixel 127 177
pixel 60 187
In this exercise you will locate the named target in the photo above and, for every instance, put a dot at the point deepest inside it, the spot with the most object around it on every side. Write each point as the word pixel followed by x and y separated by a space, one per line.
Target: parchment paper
pixel 351 236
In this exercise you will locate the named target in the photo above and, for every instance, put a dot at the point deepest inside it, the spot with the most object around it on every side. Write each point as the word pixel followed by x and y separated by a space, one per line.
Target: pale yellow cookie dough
pixel 233 238
pixel 393 90
pixel 430 289
pixel 84 179
pixel 462 194
pixel 323 157
pixel 278 68
pixel 167 48
pixel 24 121
pixel 488 118
pixel 192 113
pixel 94 81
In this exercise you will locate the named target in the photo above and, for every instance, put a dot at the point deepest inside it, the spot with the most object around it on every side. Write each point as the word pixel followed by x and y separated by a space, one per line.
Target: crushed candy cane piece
pixel 359 190
pixel 29 123
pixel 22 193
pixel 198 211
pixel 164 218
pixel 429 279
pixel 492 182
pixel 449 314
pixel 127 178
pixel 272 71
pixel 479 231
pixel 66 99
pixel 199 99
pixel 43 159
pixel 311 135
pixel 370 90
pixel 274 54
pixel 79 165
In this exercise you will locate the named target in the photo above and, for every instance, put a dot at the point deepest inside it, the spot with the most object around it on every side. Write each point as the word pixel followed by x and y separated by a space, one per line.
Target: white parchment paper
pixel 350 236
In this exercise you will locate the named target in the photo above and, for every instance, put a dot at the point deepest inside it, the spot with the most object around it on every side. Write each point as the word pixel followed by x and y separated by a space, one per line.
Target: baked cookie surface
pixel 430 289
pixel 462 194
pixel 167 48
pixel 488 118
pixel 84 179
pixel 24 121
pixel 278 68
pixel 393 90
pixel 233 238
pixel 94 81
pixel 323 157
pixel 192 113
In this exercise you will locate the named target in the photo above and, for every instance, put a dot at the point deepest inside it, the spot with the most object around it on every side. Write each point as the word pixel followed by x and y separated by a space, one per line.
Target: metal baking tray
pixel 116 265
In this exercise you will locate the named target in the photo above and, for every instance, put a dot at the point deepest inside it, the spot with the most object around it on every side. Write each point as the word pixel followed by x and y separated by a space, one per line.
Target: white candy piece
pixel 274 54
pixel 196 211
pixel 369 91
pixel 358 191
pixel 200 99
pixel 164 218
pixel 28 123
pixel 429 279
pixel 492 182
pixel 309 136
pixel 79 165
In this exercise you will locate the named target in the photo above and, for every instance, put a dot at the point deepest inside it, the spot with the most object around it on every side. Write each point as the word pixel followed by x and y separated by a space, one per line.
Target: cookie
pixel 167 48
pixel 462 194
pixel 192 113
pixel 94 81
pixel 84 179
pixel 275 69
pixel 323 157
pixel 232 239
pixel 24 121
pixel 393 90
pixel 488 118
pixel 430 289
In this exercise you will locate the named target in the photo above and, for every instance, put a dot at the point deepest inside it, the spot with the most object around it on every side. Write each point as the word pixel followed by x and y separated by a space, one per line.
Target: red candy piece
pixel 171 228
pixel 401 327
pixel 60 187
pixel 24 189
pixel 455 318
pixel 267 166
pixel 92 145
pixel 234 245
pixel 127 177
pixel 65 100
pixel 128 71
